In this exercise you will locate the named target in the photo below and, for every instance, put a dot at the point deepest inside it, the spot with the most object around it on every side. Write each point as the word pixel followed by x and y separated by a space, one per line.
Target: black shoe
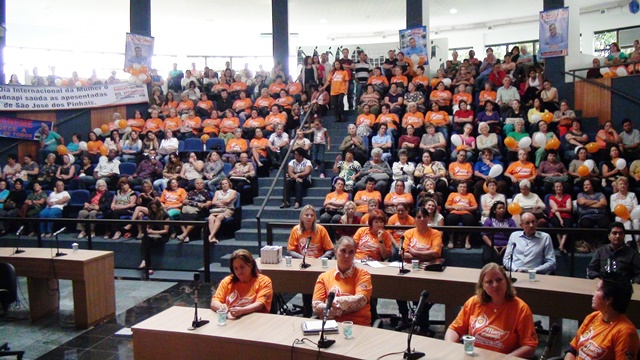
pixel 285 205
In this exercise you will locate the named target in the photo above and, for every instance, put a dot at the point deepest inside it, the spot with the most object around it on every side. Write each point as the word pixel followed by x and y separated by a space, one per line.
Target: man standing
pixel 349 66
pixel 616 258
pixel 630 140
pixel 531 249
pixel 324 61
pixel 363 69
pixel 389 64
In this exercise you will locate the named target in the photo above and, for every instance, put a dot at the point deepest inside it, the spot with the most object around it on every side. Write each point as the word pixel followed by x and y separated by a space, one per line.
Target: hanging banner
pixel 413 44
pixel 554 31
pixel 23 129
pixel 30 98
pixel 138 50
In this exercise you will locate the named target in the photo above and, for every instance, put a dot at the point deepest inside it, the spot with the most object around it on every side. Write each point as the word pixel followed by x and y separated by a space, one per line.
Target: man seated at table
pixel 615 258
pixel 531 249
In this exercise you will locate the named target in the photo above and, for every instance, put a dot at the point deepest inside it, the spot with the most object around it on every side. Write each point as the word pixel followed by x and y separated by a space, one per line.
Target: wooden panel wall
pixel 104 115
pixel 32 147
pixel 593 100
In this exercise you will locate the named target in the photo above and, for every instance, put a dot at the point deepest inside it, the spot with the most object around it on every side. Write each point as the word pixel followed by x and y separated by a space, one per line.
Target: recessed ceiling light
pixel 323 21
pixel 453 11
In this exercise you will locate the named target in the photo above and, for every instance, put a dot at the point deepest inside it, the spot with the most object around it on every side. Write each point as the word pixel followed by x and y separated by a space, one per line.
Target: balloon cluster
pixel 65 82
pixel 622 212
pixel 619 71
pixel 139 74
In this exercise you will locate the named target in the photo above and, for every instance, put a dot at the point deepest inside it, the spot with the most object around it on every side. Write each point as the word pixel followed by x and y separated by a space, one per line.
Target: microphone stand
pixel 196 323
pixel 325 343
pixel 58 254
pixel 18 251
pixel 513 248
pixel 402 269
pixel 409 354
pixel 304 264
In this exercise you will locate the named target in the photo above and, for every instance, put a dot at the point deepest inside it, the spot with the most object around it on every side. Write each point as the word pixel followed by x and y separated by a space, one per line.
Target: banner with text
pixel 30 98
pixel 554 32
pixel 24 129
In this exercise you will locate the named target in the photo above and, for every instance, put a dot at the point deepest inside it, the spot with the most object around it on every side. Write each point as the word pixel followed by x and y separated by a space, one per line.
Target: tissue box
pixel 271 254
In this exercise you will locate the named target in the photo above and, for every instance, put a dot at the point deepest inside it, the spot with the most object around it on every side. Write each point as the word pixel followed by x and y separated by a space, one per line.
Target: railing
pixel 575 76
pixel 273 184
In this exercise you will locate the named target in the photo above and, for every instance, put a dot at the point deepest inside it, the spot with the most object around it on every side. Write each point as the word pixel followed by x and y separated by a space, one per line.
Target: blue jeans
pixel 49 213
pixel 317 155
pixel 160 185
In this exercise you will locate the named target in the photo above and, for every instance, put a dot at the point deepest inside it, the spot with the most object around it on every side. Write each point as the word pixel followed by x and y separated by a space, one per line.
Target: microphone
pixel 324 343
pixel 409 354
pixel 402 269
pixel 304 264
pixel 196 323
pixel 20 230
pixel 59 231
pixel 554 331
pixel 513 248
pixel 329 303
pixel 58 241
pixel 18 251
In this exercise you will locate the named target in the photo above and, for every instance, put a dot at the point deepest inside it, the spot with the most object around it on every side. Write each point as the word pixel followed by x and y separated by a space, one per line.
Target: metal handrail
pixel 573 74
pixel 606 66
pixel 273 184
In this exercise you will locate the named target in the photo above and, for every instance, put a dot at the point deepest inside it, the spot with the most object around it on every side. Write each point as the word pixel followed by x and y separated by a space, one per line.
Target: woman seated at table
pixel 245 290
pixel 154 234
pixel 496 242
pixel 223 206
pixel 351 285
pixel 496 309
pixel 99 204
pixel 373 242
pixel 607 332
pixel 56 201
pixel 310 237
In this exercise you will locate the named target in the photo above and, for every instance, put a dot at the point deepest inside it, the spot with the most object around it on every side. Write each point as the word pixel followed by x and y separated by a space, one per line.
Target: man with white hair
pixel 506 94
pixel 530 249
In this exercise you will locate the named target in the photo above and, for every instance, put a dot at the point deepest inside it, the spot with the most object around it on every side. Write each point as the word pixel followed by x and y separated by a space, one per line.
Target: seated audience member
pixel 592 207
pixel 563 118
pixel 468 144
pixel 532 249
pixel 148 169
pixel 246 290
pixel 55 203
pixel 222 207
pixel 510 116
pixel 383 142
pixel 461 205
pixel 123 204
pixel 615 259
pixel 489 116
pixel 400 217
pixel 394 99
pixel 349 218
pixel 154 234
pixel 243 173
pixel 481 172
pixel 497 303
pixel 113 142
pixel 530 203
pixel 191 170
pixel 372 205
pixel 48 171
pixel 150 142
pixel 560 213
pixel 355 143
pixel 66 172
pixel 460 170
pixel 363 196
pixel 495 243
pixel 434 143
pixel 13 204
pixel 431 170
pixel 488 94
pixel 462 116
pixel 413 95
pixel 573 139
pixel 350 283
pixel 298 177
pixel 333 207
pixel 301 141
pixel 520 170
pixel 403 170
pixel 194 207
pixel 36 201
pixel 398 196
pixel 258 147
pixel 99 204
pixel 173 122
pixel 540 150
pixel 389 119
pixel 172 198
pixel 347 169
pixel 506 94
pixel 607 332
pixel 582 157
pixel 627 199
pixel 131 147
pixel 439 118
pixel 30 169
pixel 377 169
pixel 630 140
pixel 143 201
pixel 434 217
pixel 517 134
pixel 373 242
pixel 213 170
pixel 606 138
pixel 488 199
pixel 441 97
pixel 191 126
pixel 170 172
pixel 610 171
pixel 277 146
pixel 251 124
pixel 414 118
pixel 552 171
pixel 410 143
pixel 11 170
pixel 168 145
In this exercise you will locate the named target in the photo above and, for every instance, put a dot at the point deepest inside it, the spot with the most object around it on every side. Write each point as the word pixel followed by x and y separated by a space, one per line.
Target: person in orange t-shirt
pixel 461 169
pixel 242 106
pixel 607 333
pixel 521 169
pixel 413 117
pixel 499 320
pixel 441 96
pixel 487 94
pixel 255 121
pixel 236 146
pixel 258 146
pixel 264 102
pixel 366 118
pixel 137 123
pixel 294 88
pixel 246 290
pixel 362 197
pixel 398 196
pixel 204 107
pixel 380 82
pixel 276 117
pixel 154 125
pixel 333 206
pixel 227 125
pixel 285 101
pixel 185 105
pixel 212 125
pixel 373 242
pixel 438 118
pixel 339 81
pixel 421 81
pixel 462 95
pixel 173 121
pixel 350 284
pixel 401 217
pixel 237 86
pixel 400 80
pixel 461 206
pixel 388 118
pixel 191 126
pixel 320 244
pixel 276 87
pixel 372 204
pixel 169 102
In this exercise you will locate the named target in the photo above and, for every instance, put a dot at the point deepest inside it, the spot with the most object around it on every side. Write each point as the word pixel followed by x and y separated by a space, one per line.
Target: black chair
pixel 6 351
pixel 8 286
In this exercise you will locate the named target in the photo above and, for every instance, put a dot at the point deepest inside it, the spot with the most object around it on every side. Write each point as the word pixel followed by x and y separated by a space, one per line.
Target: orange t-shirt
pixel 153 125
pixel 389 118
pixel 211 126
pixel 242 105
pixel 195 123
pixel 170 104
pixel 596 339
pixel 441 95
pixel 335 197
pixel 367 120
pixel 185 105
pixel 365 195
pixel 521 170
pixel 459 96
pixel 260 142
pixel 432 240
pixel 236 145
pixel 285 102
pixel 263 102
pixel 339 80
pixel 393 198
pixel 272 120
pixel 240 294
pixel 227 125
pixel 423 80
pixel 395 220
pixel 377 80
pixel 218 87
pixel 459 171
pixel 320 241
pixel 355 281
pixel 206 104
pixel 237 86
pixel 416 119
pixel 457 199
pixel 400 79
pixel 294 88
pixel 504 330
pixel 367 244
pixel 364 219
pixel 254 123
pixel 275 88
pixel 440 118
pixel 173 124
pixel 136 124
pixel 172 198
pixel 487 95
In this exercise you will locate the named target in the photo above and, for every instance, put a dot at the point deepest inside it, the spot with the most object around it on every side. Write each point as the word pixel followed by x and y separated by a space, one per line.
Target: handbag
pixel 190 210
pixel 217 210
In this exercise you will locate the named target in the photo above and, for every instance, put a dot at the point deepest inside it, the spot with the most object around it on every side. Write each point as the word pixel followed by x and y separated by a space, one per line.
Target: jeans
pixel 160 185
pixel 49 213
pixel 317 155
pixel 337 104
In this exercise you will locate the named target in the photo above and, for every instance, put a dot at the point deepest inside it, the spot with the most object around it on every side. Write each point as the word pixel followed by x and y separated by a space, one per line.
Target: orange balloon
pixel 204 138
pixel 434 81
pixel 552 144
pixel 514 208
pixel 485 188
pixel 510 142
pixel 607 75
pixel 135 72
pixel 592 147
pixel 62 150
pixel 104 128
pixel 630 69
pixel 622 212
pixel 91 145
pixel 547 117
pixel 583 170
pixel 122 124
pixel 103 150
pixel 143 69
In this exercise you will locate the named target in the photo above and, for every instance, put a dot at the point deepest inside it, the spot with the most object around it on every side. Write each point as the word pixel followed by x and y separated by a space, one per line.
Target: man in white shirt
pixel 531 249
pixel 168 145
pixel 506 94
pixel 277 146
pixel 108 169
pixel 630 138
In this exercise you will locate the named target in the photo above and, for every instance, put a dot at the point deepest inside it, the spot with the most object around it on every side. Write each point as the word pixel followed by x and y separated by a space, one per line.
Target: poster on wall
pixel 554 32
pixel 413 43
pixel 138 50
pixel 23 129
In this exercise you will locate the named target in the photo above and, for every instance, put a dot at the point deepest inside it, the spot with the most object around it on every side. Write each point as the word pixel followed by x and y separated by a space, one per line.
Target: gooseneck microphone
pixel 409 354
pixel 58 254
pixel 18 233
pixel 196 323
pixel 325 343
pixel 513 249
pixel 305 264
pixel 402 269
pixel 554 331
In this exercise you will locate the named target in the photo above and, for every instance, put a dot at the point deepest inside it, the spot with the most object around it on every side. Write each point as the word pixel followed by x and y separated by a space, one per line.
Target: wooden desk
pixel 267 336
pixel 554 296
pixel 91 273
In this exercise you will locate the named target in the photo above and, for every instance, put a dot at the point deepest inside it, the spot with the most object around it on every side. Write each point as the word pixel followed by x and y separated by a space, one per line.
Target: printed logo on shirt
pixel 415 245
pixel 336 289
pixel 234 300
pixel 588 349
pixel 368 244
pixel 459 200
pixel 523 170
pixel 489 335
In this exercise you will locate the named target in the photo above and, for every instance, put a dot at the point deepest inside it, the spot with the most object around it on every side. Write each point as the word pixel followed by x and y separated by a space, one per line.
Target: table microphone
pixel 196 323
pixel 304 264
pixel 554 331
pixel 409 354
pixel 402 269
pixel 513 248
pixel 324 343
pixel 18 251
pixel 58 241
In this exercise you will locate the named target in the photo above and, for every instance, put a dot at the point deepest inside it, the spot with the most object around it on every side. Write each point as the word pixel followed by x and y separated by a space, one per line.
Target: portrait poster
pixel 414 44
pixel 554 33
pixel 138 50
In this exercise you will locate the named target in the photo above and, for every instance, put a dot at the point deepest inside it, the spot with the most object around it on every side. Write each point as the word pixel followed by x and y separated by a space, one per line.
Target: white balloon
pixel 132 79
pixel 496 170
pixel 78 84
pixel 446 82
pixel 415 59
pixel 535 118
pixel 456 140
pixel 137 66
pixel 58 82
pixel 621 71
pixel 524 143
pixel 540 139
pixel 590 164
pixel 142 77
pixel 72 159
pixel 82 145
pixel 98 131
pixel 635 213
pixel 138 82
pixel 621 164
pixel 604 70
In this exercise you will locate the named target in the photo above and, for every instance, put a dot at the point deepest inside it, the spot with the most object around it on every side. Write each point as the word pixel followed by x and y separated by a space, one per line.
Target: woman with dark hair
pixel 339 81
pixel 170 172
pixel 298 177
pixel 610 171
pixel 245 290
pixel 66 172
pixel 99 204
pixel 592 207
pixel 496 308
pixel 560 210
pixel 489 116
pixel 607 331
pixel 616 56
pixel 122 204
pixel 194 207
pixel 373 242
pixel 308 74
pixel 461 206
pixel 333 206
pixel 36 201
pixel 496 242
pixel 14 204
pixel 223 207
pixel 154 233
pixel 145 198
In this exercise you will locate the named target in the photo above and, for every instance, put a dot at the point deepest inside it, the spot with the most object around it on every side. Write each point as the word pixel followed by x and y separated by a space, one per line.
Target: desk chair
pixel 8 286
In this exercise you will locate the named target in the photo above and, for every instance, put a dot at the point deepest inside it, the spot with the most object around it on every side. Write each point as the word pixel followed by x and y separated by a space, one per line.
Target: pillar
pixel 139 17
pixel 554 66
pixel 414 13
pixel 3 34
pixel 280 32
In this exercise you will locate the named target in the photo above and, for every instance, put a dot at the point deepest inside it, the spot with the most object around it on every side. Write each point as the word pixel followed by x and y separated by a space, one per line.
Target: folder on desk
pixel 314 327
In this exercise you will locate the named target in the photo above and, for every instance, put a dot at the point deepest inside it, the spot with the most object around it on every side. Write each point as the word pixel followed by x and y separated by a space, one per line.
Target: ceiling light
pixel 453 11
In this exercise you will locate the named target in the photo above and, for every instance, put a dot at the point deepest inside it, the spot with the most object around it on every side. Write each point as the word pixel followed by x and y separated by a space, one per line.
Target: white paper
pixel 374 264
pixel 396 264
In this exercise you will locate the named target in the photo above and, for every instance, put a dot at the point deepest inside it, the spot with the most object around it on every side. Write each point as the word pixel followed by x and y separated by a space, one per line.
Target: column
pixel 414 13
pixel 280 30
pixel 3 34
pixel 554 66
pixel 139 17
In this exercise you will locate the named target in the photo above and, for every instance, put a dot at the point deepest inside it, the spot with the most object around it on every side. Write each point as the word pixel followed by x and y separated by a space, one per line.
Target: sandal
pixel 107 235
pixel 450 245
pixel 82 235
pixel 117 235
pixel 467 246
pixel 140 236
pixel 285 205
pixel 127 235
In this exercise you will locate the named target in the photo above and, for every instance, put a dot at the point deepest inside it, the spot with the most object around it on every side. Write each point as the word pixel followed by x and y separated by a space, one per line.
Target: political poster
pixel 24 129
pixel 554 33
pixel 138 50
pixel 413 44
pixel 35 98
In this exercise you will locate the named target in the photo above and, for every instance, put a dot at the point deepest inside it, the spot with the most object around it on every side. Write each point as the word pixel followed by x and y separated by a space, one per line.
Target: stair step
pixel 312 191
pixel 316 201
pixel 317 180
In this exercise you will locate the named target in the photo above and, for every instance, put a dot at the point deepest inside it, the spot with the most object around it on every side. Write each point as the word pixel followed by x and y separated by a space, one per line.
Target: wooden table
pixel 91 273
pixel 267 336
pixel 554 296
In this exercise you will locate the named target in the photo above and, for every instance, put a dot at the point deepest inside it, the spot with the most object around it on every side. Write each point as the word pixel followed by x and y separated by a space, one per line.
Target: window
pixel 602 40
pixel 463 53
pixel 500 50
